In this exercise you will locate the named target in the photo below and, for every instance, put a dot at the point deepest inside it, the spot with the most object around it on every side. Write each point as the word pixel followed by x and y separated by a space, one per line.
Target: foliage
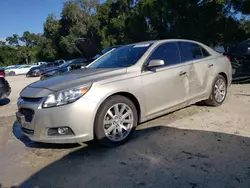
pixel 214 22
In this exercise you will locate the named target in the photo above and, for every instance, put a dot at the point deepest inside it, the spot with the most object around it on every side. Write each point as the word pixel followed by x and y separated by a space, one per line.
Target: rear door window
pixel 168 52
pixel 190 51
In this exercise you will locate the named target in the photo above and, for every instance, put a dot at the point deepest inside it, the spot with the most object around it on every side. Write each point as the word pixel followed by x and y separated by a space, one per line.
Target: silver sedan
pixel 119 90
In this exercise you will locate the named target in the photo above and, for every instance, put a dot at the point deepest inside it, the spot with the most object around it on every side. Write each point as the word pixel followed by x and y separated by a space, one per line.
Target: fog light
pixel 63 130
pixel 60 131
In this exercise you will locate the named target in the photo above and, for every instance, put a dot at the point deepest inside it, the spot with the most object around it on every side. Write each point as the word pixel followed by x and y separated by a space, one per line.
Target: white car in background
pixel 19 69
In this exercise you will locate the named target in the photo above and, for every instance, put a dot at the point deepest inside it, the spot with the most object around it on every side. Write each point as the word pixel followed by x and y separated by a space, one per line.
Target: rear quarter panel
pixel 223 65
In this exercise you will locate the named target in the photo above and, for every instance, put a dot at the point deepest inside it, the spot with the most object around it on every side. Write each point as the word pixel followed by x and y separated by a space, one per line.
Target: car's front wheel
pixel 115 121
pixel 219 91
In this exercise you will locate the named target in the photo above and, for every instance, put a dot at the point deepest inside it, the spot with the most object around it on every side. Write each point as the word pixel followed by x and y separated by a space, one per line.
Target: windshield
pixel 12 67
pixel 122 57
pixel 105 50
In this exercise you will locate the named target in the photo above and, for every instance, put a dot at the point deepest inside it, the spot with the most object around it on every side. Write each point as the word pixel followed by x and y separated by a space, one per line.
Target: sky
pixel 17 16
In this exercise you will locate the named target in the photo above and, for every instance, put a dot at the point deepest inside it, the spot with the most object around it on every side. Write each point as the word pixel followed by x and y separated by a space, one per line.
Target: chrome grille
pixel 28 99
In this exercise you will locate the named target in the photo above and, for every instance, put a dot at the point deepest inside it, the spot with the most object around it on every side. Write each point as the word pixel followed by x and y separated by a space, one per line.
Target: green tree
pixel 13 40
pixel 213 22
pixel 76 20
pixel 9 56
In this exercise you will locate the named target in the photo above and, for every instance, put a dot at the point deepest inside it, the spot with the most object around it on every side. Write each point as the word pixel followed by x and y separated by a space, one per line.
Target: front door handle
pixel 210 65
pixel 182 73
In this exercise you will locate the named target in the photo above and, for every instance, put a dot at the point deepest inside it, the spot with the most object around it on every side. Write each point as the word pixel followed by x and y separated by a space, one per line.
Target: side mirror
pixel 155 63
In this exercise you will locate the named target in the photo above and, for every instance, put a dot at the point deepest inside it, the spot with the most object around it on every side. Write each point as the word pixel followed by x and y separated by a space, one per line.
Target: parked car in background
pixel 5 89
pixel 86 48
pixel 239 55
pixel 2 72
pixel 37 71
pixel 124 87
pixel 219 49
pixel 19 69
pixel 65 67
pixel 10 67
pixel 89 50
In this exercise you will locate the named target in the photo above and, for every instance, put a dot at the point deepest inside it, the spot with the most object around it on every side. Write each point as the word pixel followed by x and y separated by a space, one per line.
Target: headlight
pixel 65 97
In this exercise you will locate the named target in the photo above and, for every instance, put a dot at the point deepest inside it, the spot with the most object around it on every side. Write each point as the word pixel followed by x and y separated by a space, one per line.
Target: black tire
pixel 12 73
pixel 98 125
pixel 212 101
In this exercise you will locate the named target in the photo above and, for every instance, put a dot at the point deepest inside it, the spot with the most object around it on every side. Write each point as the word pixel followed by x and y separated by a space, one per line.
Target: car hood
pixel 71 79
pixel 52 69
pixel 47 69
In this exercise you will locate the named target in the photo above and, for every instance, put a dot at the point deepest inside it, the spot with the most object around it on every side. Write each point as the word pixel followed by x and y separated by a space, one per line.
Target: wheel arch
pixel 126 94
pixel 131 97
pixel 225 76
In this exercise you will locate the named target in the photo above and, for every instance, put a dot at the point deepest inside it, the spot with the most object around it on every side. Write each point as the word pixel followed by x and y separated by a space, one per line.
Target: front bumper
pixel 33 74
pixel 5 94
pixel 78 116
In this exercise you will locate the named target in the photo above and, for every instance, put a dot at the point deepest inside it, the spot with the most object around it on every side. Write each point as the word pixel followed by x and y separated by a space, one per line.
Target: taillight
pixel 228 57
pixel 2 73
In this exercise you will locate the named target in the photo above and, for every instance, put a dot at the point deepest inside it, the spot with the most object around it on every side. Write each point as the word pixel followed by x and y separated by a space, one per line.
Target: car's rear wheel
pixel 219 91
pixel 116 121
pixel 12 73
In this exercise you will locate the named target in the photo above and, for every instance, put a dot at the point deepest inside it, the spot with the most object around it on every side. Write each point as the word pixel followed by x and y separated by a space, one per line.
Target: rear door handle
pixel 182 73
pixel 210 65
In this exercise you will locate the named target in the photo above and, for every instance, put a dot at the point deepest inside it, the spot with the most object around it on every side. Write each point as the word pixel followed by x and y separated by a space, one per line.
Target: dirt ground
pixel 196 147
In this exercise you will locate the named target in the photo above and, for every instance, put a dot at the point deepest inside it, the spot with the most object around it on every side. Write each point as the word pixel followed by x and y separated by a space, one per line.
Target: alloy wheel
pixel 220 90
pixel 118 122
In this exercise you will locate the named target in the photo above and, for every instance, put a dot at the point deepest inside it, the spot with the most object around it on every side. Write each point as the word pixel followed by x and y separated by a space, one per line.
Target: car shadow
pixel 167 119
pixel 159 156
pixel 4 102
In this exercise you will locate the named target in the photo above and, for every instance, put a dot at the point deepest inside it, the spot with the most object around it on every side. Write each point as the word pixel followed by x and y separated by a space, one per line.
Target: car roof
pixel 245 42
pixel 164 40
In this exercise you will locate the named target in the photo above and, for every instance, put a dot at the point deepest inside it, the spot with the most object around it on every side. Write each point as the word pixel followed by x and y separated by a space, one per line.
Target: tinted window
pixel 190 51
pixel 168 52
pixel 204 52
pixel 239 49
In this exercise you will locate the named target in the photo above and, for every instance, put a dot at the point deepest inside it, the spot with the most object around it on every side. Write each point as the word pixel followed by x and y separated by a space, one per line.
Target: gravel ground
pixel 196 147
